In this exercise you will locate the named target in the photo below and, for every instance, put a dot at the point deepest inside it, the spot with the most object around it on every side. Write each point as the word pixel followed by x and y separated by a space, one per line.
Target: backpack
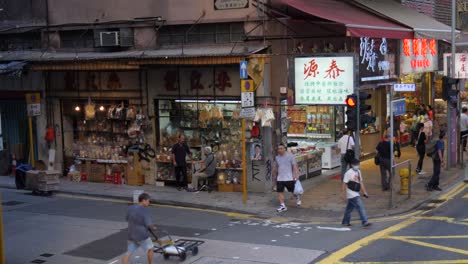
pixel 431 148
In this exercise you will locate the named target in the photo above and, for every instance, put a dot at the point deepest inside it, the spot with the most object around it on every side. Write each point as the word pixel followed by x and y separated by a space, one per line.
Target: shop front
pixel 104 125
pixel 202 103
pixel 418 68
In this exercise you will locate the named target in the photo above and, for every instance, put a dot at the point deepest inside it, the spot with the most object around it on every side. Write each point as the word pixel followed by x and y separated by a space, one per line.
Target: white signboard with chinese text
pixel 247 113
pixel 461 65
pixel 230 4
pixel 404 87
pixel 247 99
pixel 323 80
pixel 34 109
pixel 418 55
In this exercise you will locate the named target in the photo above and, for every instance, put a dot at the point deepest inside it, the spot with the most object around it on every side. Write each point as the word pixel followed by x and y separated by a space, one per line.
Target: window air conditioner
pixel 109 39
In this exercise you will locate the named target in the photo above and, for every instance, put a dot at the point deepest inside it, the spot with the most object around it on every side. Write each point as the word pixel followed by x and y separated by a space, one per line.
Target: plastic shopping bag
pixel 298 190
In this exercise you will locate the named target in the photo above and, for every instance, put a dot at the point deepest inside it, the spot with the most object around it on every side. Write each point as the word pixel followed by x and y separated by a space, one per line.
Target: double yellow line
pixel 339 255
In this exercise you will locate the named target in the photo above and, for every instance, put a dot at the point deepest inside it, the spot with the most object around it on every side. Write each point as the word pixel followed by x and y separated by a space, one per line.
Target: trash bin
pixel 20 175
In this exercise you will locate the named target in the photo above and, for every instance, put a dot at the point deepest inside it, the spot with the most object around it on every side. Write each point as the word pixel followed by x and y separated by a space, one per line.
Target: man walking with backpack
pixel 438 161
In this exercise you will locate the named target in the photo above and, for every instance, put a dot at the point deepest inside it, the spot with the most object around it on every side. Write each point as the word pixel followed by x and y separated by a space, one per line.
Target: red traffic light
pixel 350 101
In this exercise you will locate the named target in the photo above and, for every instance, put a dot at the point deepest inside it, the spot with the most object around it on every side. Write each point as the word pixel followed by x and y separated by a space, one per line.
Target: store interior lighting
pixel 209 101
pixel 77 108
pixel 102 108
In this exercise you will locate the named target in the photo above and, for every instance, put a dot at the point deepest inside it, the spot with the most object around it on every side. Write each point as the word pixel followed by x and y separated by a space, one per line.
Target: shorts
pixel 146 245
pixel 280 185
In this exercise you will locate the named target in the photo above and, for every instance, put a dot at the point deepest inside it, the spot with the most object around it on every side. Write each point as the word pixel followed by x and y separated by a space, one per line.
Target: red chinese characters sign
pixel 323 80
pixel 418 55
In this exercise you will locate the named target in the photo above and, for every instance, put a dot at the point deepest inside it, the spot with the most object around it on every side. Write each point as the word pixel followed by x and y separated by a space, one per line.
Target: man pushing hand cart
pixel 139 227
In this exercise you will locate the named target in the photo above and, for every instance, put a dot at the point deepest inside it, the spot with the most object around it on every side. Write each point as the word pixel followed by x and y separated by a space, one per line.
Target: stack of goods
pixel 42 181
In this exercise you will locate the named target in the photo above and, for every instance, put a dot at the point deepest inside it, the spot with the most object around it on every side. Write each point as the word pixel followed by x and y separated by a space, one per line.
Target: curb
pixel 260 216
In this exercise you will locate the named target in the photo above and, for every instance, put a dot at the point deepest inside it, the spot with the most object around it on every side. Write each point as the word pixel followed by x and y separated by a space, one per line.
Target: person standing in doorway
pixel 421 147
pixel 352 186
pixel 384 152
pixel 287 173
pixel 464 127
pixel 344 143
pixel 139 224
pixel 438 161
pixel 179 154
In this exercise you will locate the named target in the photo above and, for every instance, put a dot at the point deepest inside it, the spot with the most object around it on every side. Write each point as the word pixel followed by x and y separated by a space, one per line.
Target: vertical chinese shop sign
pixel 323 80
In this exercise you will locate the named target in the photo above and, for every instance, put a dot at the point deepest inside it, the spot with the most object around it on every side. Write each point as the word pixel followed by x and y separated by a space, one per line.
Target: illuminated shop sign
pixel 418 55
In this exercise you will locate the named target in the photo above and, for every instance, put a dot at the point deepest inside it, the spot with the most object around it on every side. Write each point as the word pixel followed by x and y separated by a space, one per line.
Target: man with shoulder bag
pixel 352 186
pixel 346 145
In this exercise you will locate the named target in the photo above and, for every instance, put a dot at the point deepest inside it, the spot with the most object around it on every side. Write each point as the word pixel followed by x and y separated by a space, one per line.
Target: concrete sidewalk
pixel 321 201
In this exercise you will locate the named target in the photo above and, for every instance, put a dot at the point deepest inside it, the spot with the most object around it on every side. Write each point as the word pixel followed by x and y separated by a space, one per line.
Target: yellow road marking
pixel 465 196
pixel 442 218
pixel 339 255
pixel 458 261
pixel 425 244
pixel 429 237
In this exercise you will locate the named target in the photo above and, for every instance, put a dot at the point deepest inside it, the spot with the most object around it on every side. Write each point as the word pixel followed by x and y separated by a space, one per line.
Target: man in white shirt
pixel 352 185
pixel 464 126
pixel 346 142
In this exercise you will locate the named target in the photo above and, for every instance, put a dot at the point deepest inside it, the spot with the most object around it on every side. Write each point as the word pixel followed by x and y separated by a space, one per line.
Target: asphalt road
pixel 68 229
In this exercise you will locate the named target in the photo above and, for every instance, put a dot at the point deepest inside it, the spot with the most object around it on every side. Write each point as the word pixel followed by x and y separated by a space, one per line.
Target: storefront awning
pixel 358 22
pixel 423 26
pixel 14 66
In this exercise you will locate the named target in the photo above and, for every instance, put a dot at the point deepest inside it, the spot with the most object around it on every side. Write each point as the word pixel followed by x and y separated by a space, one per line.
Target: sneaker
pixel 367 224
pixel 421 172
pixel 298 201
pixel 437 188
pixel 428 188
pixel 346 225
pixel 282 208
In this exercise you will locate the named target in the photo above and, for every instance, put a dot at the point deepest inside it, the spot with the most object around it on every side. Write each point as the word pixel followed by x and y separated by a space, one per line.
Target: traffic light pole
pixel 392 156
pixel 357 142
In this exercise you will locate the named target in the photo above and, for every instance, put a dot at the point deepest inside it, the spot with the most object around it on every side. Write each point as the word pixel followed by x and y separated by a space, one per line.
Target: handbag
pixel 354 186
pixel 349 155
pixel 377 159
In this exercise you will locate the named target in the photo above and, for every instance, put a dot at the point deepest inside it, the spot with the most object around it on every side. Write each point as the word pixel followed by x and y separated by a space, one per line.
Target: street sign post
pixel 243 70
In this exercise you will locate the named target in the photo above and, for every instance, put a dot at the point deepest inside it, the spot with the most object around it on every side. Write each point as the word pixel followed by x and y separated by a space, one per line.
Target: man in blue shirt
pixel 139 223
pixel 438 160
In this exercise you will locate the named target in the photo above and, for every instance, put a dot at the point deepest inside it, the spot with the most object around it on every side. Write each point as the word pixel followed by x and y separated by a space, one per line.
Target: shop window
pixel 204 123
pixel 201 34
pixel 77 39
pixel 24 41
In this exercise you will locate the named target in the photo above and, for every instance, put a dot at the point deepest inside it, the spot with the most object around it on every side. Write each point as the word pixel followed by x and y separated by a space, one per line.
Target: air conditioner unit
pixel 109 38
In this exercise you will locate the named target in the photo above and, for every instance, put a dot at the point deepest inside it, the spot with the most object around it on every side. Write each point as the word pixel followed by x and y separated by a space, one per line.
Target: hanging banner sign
pixel 418 55
pixel 461 65
pixel 323 80
pixel 376 58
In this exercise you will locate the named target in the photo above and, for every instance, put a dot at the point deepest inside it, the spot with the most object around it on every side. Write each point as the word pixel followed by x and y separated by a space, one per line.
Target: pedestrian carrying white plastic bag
pixel 298 190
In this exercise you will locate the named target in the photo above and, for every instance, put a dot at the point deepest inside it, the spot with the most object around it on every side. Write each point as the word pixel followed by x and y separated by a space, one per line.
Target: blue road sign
pixel 243 70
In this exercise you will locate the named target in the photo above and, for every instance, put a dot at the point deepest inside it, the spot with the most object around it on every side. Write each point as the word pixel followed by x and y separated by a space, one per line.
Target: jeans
pixel 421 152
pixel 354 203
pixel 385 178
pixel 181 176
pixel 434 182
pixel 463 133
pixel 344 166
